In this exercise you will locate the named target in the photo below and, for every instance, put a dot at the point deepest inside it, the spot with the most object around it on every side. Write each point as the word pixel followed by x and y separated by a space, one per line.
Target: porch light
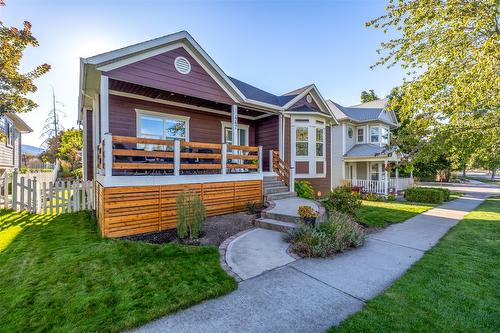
pixel 318 194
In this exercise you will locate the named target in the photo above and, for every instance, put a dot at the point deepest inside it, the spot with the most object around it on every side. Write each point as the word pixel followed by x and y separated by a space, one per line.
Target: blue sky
pixel 274 45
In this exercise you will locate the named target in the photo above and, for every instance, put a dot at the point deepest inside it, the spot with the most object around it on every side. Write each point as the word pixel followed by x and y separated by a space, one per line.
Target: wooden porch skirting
pixel 123 211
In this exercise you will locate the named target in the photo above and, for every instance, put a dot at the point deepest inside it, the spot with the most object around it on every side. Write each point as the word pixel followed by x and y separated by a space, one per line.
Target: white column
pixel 224 158
pixel 292 179
pixel 177 157
pixel 96 135
pixel 397 177
pixel 271 160
pixel 386 180
pixel 85 144
pixel 108 155
pixel 104 104
pixel 234 124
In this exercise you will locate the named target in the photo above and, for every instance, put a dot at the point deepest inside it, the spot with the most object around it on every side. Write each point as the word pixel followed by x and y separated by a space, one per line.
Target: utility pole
pixel 52 128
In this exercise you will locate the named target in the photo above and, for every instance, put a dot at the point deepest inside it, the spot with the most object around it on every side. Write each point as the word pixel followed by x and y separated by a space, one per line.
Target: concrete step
pixel 270 178
pixel 283 195
pixel 277 189
pixel 273 184
pixel 274 224
pixel 281 217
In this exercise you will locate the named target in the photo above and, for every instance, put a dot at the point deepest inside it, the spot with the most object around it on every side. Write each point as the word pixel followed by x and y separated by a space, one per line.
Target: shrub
pixel 422 194
pixel 446 192
pixel 374 197
pixel 307 212
pixel 254 207
pixel 391 197
pixel 336 235
pixel 304 189
pixel 341 199
pixel 190 214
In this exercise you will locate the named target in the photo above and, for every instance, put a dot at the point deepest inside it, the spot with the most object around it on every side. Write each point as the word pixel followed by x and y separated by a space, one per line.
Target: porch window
pixel 360 134
pixel 155 125
pixel 8 129
pixel 227 133
pixel 375 172
pixel 374 134
pixel 301 141
pixel 384 135
pixel 320 142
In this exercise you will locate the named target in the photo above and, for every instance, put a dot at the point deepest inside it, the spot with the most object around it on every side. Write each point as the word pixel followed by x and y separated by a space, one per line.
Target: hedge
pixel 423 194
pixel 445 191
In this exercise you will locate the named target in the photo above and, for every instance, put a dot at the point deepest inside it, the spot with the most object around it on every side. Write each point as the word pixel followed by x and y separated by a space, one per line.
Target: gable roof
pixel 369 111
pixel 239 91
pixel 20 124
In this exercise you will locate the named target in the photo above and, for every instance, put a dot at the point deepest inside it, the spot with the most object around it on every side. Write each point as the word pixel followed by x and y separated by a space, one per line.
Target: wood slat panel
pixel 242 166
pixel 186 166
pixel 149 166
pixel 131 210
pixel 201 145
pixel 243 157
pixel 201 155
pixel 132 139
pixel 145 153
pixel 245 148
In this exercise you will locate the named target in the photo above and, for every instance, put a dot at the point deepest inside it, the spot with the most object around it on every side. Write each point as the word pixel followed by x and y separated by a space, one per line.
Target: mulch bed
pixel 213 232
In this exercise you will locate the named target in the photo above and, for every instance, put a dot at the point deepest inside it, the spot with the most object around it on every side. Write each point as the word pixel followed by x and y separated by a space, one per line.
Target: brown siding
pixel 203 126
pixel 90 145
pixel 159 72
pixel 324 184
pixel 302 167
pixel 266 135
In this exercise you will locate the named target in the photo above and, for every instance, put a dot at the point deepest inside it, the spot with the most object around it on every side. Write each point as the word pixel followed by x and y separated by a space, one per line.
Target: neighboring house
pixel 161 116
pixel 364 153
pixel 11 128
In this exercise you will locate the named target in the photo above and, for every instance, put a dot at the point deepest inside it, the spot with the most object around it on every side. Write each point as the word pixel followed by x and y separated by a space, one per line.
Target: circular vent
pixel 182 65
pixel 309 99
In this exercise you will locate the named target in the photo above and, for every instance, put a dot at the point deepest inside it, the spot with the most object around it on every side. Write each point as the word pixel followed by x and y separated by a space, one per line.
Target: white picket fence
pixel 54 197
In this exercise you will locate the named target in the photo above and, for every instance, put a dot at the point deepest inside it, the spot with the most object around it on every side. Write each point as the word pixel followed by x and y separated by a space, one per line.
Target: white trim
pixel 140 112
pixel 104 107
pixel 170 180
pixel 183 105
pixel 85 145
pixel 311 126
pixel 281 136
pixel 307 113
pixel 240 126
pixel 357 134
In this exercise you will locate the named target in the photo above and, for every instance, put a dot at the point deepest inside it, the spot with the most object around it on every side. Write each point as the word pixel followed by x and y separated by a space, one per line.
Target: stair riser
pixel 270 179
pixel 277 196
pixel 281 189
pixel 270 226
pixel 273 184
pixel 280 217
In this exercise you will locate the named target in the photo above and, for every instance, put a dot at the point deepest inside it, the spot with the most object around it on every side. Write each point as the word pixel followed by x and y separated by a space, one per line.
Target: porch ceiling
pixel 135 89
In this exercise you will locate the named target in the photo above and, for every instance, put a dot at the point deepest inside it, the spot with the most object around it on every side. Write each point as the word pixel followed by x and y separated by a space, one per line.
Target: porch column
pixel 397 176
pixel 386 180
pixel 104 94
pixel 281 140
pixel 234 124
pixel 108 155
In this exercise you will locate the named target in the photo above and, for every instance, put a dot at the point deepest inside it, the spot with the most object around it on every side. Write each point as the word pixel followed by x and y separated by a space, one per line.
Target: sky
pixel 277 46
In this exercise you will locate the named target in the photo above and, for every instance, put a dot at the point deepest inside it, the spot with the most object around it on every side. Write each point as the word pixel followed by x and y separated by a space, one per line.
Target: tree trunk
pixel 493 173
pixel 463 171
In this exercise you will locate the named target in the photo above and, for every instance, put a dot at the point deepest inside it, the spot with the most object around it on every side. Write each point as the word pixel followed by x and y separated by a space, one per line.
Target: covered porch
pixel 378 176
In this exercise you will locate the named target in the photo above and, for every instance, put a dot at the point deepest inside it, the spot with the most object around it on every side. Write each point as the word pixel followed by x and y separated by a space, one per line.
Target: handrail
pixel 281 169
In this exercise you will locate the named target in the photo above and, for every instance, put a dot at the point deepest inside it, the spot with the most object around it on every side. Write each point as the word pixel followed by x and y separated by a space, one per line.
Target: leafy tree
pixel 70 148
pixel 368 96
pixel 451 96
pixel 14 86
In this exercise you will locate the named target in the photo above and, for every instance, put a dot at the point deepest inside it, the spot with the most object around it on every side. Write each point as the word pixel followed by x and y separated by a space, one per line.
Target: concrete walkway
pixel 289 206
pixel 257 251
pixel 310 295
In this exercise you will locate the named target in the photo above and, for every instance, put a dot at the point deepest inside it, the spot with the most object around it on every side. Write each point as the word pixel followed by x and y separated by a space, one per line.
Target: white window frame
pixel 362 135
pixel 164 116
pixel 311 124
pixel 240 126
pixel 378 135
pixel 388 135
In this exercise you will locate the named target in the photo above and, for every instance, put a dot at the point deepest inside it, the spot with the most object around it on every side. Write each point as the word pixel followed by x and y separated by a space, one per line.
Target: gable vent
pixel 182 65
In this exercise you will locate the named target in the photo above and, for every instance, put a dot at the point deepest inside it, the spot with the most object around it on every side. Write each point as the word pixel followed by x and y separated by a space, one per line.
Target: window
pixel 8 129
pixel 301 141
pixel 349 132
pixel 227 133
pixel 374 134
pixel 384 135
pixel 320 141
pixel 162 126
pixel 361 134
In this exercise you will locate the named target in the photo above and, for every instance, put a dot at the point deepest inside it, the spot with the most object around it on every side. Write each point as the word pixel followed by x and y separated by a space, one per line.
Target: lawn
pixel 57 274
pixel 484 180
pixel 453 288
pixel 381 214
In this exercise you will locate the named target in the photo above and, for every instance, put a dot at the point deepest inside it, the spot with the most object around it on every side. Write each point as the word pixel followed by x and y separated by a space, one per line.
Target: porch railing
pixel 282 170
pixel 378 186
pixel 126 155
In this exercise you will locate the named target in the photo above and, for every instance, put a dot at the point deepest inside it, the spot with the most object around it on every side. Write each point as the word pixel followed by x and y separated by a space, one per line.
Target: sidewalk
pixel 310 295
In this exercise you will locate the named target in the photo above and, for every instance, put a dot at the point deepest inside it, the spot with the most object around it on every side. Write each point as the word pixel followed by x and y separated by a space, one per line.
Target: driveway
pixel 310 295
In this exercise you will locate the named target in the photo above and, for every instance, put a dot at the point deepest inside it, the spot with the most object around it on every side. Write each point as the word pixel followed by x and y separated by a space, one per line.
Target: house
pixel 11 129
pixel 364 154
pixel 160 117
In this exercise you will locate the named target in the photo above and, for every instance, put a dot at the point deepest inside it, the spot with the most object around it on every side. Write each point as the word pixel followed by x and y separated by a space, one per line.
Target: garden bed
pixel 213 231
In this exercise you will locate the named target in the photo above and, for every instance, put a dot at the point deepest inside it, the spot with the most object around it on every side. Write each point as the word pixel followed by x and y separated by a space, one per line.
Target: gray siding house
pixel 11 128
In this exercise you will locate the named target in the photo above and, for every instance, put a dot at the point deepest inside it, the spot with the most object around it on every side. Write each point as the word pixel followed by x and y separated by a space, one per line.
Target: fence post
pixel 14 189
pixel 224 158
pixel 35 196
pixel 22 205
pixel 260 159
pixel 177 157
pixel 43 198
pixel 56 195
pixel 6 191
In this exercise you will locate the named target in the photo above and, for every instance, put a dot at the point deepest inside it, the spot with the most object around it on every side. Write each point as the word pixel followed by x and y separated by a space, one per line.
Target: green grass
pixel 484 180
pixel 58 275
pixel 453 288
pixel 381 214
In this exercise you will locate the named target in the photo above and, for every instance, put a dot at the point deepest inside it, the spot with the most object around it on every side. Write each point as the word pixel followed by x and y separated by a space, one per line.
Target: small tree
pixel 190 214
